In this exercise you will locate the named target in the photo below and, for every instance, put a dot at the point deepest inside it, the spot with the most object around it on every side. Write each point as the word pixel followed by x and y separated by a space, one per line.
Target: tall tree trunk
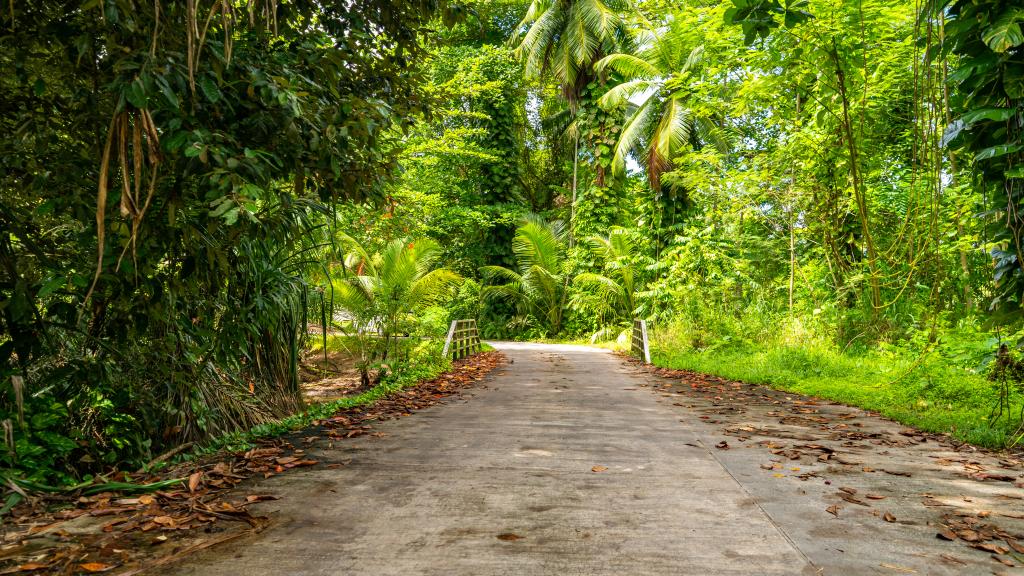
pixel 790 218
pixel 792 264
pixel 964 266
pixel 572 206
pixel 858 187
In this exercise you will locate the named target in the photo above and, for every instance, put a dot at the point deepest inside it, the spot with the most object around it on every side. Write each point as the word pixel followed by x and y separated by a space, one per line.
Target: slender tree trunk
pixel 858 188
pixel 792 264
pixel 964 266
pixel 572 206
pixel 791 221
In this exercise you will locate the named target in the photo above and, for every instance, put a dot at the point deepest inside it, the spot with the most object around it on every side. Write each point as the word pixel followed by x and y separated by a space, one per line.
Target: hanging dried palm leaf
pixel 138 152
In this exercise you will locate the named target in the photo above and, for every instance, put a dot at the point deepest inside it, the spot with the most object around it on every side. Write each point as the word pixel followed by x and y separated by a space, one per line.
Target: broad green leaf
pixel 51 285
pixel 994 114
pixel 1005 33
pixel 1013 80
pixel 165 89
pixel 223 206
pixel 209 87
pixel 997 151
pixel 951 132
pixel 136 94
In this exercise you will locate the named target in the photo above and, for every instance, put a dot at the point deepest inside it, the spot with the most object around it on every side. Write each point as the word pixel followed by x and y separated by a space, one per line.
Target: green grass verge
pixel 924 392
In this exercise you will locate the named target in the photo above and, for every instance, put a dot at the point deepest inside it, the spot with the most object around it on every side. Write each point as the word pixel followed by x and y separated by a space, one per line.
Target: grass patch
pixel 925 392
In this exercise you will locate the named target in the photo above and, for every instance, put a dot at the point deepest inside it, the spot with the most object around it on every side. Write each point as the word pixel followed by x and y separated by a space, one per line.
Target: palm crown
pixel 537 287
pixel 566 37
pixel 658 90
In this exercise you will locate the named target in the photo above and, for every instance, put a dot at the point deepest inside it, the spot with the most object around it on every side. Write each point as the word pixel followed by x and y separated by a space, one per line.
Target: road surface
pixel 569 461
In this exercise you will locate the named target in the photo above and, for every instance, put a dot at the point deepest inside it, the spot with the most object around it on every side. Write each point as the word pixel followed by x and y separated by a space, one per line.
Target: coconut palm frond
pixel 565 37
pixel 603 286
pixel 629 66
pixel 621 94
pixel 538 285
pixel 431 288
pixel 633 131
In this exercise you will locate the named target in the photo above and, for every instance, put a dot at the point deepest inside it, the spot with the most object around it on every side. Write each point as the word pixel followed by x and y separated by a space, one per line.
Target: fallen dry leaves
pixel 102 532
pixel 832 441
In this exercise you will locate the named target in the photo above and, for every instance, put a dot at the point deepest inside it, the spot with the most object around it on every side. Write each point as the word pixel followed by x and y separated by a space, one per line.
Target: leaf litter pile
pixel 871 468
pixel 194 505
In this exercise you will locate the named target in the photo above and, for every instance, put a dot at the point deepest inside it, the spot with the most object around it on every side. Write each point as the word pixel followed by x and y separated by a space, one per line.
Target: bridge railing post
pixel 639 345
pixel 463 339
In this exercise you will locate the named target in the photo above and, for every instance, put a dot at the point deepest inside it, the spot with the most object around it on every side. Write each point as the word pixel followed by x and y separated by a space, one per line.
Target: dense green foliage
pixel 382 292
pixel 829 188
pixel 164 168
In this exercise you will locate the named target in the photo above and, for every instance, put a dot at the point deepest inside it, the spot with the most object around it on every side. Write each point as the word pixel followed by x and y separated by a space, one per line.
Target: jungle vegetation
pixel 822 195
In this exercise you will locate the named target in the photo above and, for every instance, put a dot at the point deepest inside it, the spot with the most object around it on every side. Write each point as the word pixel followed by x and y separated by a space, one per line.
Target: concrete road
pixel 563 462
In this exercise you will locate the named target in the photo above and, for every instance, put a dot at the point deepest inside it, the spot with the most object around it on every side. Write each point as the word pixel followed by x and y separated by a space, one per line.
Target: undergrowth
pixel 426 363
pixel 940 387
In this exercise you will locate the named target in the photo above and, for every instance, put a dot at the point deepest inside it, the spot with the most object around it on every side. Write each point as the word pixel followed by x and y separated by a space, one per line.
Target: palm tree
pixel 566 38
pixel 537 287
pixel 611 293
pixel 661 76
pixel 381 291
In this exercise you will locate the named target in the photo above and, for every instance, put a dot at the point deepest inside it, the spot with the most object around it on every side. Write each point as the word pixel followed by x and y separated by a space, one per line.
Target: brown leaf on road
pixel 952 560
pixel 193 481
pixel 990 547
pixel 509 537
pixel 25 568
pixel 1016 546
pixel 888 517
pixel 598 468
pixel 982 476
pixel 1003 561
pixel 969 535
pixel 110 511
pixel 95 567
pixel 852 499
pixel 833 510
pixel 723 445
pixel 874 497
